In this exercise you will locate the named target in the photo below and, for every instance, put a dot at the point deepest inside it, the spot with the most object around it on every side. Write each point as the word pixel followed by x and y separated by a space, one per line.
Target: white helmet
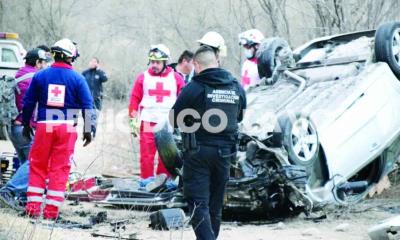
pixel 159 52
pixel 66 47
pixel 215 40
pixel 250 37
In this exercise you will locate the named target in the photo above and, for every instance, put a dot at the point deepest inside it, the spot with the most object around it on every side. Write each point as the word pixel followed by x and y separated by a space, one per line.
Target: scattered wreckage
pixel 322 128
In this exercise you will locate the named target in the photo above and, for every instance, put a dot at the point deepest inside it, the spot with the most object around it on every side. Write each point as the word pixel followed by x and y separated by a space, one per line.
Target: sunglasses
pixel 157 54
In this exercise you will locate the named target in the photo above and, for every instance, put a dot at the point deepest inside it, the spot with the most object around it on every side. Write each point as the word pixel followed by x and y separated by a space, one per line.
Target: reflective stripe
pixel 35 190
pixel 71 122
pixel 35 199
pixel 55 193
pixel 24 77
pixel 53 202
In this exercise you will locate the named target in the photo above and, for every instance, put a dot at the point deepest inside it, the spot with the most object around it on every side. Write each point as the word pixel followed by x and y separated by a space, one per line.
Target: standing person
pixel 250 40
pixel 216 42
pixel 45 48
pixel 215 95
pixel 59 92
pixel 35 60
pixel 95 77
pixel 153 94
pixel 185 65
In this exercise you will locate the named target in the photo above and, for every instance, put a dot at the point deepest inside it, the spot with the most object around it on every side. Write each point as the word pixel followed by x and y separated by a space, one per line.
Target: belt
pixel 17 123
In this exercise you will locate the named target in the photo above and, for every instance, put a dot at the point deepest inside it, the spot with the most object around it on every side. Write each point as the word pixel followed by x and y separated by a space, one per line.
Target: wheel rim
pixel 396 46
pixel 304 139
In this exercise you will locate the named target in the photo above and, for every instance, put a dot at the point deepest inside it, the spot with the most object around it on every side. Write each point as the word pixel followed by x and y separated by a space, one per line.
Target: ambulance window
pixel 8 55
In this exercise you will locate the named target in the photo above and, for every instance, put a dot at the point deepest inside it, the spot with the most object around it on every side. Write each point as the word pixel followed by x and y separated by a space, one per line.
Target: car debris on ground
pixel 386 229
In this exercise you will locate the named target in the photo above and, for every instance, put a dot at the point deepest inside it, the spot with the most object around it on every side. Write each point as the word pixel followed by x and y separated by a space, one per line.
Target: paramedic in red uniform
pixel 60 93
pixel 153 94
pixel 250 40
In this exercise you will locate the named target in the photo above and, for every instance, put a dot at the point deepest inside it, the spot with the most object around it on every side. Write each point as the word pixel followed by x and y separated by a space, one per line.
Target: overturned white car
pixel 333 104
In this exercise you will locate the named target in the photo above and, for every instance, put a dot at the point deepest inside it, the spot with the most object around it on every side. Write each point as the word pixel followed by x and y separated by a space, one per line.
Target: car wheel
pixel 387 45
pixel 3 132
pixel 167 148
pixel 268 56
pixel 300 139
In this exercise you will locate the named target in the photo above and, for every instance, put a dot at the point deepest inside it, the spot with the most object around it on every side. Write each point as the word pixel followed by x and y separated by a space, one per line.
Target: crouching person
pixel 59 92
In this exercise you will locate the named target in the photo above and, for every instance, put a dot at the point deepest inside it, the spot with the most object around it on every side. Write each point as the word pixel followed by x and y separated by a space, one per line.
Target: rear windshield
pixel 8 56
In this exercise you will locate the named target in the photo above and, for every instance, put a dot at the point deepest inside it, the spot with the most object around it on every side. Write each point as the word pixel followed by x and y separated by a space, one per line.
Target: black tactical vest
pixel 222 106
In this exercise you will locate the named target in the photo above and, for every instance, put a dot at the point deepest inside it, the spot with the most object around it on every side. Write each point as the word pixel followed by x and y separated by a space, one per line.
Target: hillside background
pixel 119 32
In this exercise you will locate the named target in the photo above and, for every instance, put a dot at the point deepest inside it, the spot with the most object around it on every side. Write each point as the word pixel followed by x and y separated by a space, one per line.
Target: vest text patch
pixel 223 96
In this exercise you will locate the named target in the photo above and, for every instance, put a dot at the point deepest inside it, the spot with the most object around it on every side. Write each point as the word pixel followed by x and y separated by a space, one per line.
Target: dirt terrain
pixel 340 223
pixel 115 153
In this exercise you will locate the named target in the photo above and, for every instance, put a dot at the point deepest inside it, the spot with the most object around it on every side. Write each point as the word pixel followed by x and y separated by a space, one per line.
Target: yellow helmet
pixel 159 52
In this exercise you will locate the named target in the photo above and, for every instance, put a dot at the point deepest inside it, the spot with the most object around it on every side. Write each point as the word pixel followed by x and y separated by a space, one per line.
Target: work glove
pixel 134 124
pixel 89 136
pixel 27 131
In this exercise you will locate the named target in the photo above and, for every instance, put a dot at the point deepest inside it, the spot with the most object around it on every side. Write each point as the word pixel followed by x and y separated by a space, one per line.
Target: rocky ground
pixel 350 223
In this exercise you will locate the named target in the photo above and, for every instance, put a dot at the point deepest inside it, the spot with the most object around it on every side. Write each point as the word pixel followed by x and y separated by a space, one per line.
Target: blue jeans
pixel 205 174
pixel 18 184
pixel 21 144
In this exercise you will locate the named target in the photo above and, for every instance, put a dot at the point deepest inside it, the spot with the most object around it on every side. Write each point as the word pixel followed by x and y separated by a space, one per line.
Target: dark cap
pixel 36 54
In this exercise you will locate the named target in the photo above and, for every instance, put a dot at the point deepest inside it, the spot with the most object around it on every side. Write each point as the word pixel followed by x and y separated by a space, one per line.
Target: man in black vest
pixel 207 112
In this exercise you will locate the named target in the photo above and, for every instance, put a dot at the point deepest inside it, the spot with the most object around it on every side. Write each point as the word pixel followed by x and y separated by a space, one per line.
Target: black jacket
pixel 213 88
pixel 95 79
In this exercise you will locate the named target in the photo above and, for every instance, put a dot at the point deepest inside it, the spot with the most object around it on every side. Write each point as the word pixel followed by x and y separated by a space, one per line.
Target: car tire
pixel 387 45
pixel 167 148
pixel 300 140
pixel 267 56
pixel 3 132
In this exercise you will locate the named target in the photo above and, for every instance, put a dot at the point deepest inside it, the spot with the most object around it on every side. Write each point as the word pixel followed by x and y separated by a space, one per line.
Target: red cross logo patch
pixel 56 95
pixel 159 92
pixel 246 78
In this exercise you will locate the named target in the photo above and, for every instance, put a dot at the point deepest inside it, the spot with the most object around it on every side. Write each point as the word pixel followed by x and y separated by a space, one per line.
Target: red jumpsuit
pixel 152 98
pixel 50 158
